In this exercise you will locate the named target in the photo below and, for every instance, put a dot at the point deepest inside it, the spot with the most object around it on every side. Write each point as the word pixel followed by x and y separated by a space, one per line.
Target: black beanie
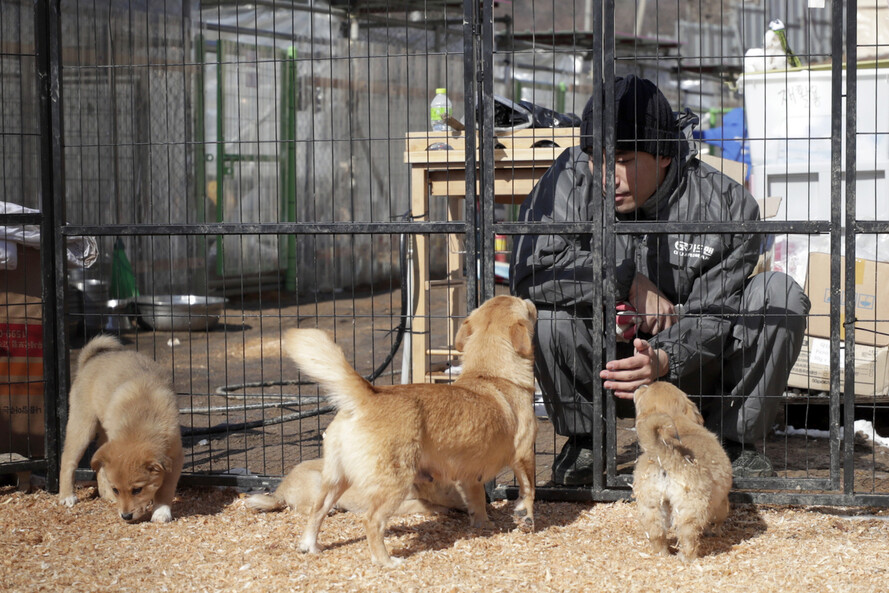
pixel 643 119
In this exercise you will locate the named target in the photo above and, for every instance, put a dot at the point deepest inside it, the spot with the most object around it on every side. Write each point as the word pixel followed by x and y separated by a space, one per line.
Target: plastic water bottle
pixel 440 110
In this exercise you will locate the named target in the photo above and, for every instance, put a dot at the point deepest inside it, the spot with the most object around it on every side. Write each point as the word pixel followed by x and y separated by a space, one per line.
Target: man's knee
pixel 553 337
pixel 776 293
pixel 556 327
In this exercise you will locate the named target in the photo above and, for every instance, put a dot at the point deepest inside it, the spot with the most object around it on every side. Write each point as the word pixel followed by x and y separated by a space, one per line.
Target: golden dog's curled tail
pixel 318 357
pixel 659 436
pixel 98 345
pixel 265 503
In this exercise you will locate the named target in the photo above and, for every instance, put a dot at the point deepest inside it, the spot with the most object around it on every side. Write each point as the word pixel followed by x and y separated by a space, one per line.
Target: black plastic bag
pixel 547 118
pixel 510 116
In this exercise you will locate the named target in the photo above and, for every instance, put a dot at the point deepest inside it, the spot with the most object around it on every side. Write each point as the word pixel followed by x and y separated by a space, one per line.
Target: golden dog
pixel 300 487
pixel 683 477
pixel 127 400
pixel 383 440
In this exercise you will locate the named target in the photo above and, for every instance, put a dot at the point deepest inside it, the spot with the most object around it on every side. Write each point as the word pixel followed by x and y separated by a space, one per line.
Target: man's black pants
pixel 739 393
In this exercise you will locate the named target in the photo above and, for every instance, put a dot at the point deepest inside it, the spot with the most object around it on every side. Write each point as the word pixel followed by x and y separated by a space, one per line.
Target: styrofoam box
pixel 789 115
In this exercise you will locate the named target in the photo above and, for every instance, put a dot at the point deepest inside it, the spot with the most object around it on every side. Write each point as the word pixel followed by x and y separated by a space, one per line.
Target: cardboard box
pixel 22 426
pixel 871 299
pixel 812 368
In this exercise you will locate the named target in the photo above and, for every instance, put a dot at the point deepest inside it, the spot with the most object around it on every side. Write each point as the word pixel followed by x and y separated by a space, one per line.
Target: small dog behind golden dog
pixel 300 488
pixel 683 476
pixel 385 439
pixel 126 400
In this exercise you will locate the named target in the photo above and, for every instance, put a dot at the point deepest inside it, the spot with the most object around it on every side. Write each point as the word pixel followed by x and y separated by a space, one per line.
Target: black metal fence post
pixel 47 15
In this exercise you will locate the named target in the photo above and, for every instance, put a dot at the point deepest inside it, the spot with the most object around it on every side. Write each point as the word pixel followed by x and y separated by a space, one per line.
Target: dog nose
pixel 126 516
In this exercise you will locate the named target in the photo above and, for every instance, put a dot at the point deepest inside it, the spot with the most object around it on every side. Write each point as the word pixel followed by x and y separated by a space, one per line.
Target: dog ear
pixel 532 308
pixel 463 335
pixel 160 465
pixel 100 458
pixel 521 340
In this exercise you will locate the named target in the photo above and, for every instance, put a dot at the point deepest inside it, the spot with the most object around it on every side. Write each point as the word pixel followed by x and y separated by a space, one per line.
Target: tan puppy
pixel 300 488
pixel 386 439
pixel 126 399
pixel 683 477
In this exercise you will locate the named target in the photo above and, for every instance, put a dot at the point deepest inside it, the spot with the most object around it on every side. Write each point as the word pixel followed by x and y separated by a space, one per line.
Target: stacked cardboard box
pixel 812 368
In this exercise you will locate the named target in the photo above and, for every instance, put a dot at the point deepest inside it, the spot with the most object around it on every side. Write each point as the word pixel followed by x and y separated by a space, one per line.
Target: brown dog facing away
pixel 683 476
pixel 383 440
pixel 126 401
pixel 300 488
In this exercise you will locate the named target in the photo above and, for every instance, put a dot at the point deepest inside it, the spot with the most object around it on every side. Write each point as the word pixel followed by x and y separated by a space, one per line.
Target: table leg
pixel 420 321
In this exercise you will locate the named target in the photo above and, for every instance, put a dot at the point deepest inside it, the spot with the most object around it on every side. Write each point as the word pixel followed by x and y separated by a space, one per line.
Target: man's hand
pixel 654 309
pixel 626 375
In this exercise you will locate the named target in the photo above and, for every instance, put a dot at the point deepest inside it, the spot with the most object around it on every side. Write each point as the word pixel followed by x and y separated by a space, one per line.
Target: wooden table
pixel 521 160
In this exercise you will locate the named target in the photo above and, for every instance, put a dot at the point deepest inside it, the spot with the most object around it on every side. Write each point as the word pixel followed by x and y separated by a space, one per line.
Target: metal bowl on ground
pixel 94 309
pixel 185 312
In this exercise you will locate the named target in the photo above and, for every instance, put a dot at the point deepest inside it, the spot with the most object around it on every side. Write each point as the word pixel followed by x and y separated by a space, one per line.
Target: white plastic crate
pixel 789 114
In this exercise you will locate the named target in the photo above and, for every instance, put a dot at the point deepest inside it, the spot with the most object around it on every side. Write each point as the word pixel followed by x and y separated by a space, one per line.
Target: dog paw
pixel 162 514
pixel 483 524
pixel 389 562
pixel 524 522
pixel 657 550
pixel 68 501
pixel 309 547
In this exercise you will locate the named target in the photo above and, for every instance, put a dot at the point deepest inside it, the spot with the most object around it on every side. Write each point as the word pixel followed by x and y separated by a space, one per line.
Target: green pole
pixel 291 87
pixel 561 91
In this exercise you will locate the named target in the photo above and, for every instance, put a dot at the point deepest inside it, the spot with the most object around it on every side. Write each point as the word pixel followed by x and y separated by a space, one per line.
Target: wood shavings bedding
pixel 216 544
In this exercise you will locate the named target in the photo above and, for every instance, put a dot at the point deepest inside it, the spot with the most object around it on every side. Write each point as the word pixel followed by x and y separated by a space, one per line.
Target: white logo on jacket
pixel 692 250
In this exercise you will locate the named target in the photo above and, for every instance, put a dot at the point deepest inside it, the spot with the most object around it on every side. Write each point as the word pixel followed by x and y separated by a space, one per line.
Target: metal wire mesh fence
pixel 246 168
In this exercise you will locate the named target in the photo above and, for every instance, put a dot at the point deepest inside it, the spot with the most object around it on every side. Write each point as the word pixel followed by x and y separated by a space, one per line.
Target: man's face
pixel 636 178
